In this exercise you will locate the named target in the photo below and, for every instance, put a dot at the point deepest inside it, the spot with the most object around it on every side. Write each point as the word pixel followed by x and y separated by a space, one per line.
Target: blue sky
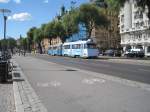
pixel 28 13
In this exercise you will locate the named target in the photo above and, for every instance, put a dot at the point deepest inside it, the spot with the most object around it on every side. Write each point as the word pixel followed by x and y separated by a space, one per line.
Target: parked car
pixel 135 53
pixel 109 52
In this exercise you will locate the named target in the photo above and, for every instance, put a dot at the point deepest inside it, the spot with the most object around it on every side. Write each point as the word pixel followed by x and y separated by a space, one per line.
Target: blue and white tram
pixel 80 48
pixel 50 50
pixel 55 50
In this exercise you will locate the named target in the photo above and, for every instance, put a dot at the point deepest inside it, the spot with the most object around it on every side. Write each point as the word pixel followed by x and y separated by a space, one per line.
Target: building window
pixel 138 15
pixel 122 18
pixel 148 49
pixel 139 37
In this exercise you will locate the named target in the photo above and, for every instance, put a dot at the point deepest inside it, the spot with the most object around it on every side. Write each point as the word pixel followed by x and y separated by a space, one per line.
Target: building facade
pixel 134 27
pixel 45 45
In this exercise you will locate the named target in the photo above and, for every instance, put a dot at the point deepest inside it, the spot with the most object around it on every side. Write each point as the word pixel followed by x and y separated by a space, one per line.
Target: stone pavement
pixel 6 98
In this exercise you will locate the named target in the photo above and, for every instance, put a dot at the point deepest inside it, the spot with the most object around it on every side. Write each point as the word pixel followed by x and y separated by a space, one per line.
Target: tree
pixel 49 31
pixel 101 3
pixel 108 36
pixel 63 10
pixel 11 43
pixel 91 17
pixel 70 23
pixel 117 4
pixel 0 45
pixel 43 27
pixel 59 30
pixel 23 43
pixel 38 36
pixel 30 37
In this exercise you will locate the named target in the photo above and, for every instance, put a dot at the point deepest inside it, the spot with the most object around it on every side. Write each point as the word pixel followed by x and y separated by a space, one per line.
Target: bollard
pixel 3 71
pixel 5 66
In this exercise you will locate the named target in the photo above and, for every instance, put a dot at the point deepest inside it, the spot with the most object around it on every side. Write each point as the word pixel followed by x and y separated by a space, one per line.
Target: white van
pixel 135 53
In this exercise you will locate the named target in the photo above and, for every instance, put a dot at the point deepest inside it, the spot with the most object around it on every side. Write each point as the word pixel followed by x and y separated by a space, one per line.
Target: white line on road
pixel 49 84
pixel 144 70
pixel 93 81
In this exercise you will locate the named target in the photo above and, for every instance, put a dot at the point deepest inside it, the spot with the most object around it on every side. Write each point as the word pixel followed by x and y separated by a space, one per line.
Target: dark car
pixel 117 53
pixel 109 52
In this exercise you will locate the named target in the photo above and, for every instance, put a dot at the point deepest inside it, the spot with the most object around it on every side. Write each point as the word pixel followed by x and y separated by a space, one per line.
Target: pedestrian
pixel 24 52
pixel 19 52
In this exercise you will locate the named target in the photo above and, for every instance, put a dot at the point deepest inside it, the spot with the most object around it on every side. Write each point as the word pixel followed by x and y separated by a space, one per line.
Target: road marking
pixel 144 70
pixel 55 83
pixel 93 81
pixel 49 84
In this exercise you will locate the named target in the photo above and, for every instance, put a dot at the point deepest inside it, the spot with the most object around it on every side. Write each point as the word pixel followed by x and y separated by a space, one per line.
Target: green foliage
pixel 70 23
pixel 49 31
pixel 9 42
pixel 92 17
pixel 43 27
pixel 59 30
pixel 38 35
pixel 23 43
pixel 30 37
pixel 115 4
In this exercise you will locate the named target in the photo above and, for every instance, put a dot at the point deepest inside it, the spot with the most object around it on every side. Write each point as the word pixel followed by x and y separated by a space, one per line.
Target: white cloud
pixel 17 1
pixel 20 17
pixel 45 1
pixel 4 1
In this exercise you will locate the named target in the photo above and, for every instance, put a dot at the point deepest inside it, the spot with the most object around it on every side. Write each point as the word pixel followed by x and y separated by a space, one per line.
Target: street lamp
pixel 5 12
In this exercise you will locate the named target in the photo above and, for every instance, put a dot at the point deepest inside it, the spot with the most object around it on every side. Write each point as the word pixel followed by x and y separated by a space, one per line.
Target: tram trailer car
pixel 55 50
pixel 84 49
pixel 50 50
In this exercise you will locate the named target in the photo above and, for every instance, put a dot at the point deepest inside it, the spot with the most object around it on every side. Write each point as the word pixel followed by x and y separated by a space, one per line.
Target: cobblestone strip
pixel 6 98
pixel 26 99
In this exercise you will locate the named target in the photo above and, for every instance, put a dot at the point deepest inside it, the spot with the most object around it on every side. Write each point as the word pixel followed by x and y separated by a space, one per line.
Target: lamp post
pixel 5 12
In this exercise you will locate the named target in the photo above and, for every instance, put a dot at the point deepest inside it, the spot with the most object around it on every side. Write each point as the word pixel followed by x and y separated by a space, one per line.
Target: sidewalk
pixel 6 98
pixel 66 89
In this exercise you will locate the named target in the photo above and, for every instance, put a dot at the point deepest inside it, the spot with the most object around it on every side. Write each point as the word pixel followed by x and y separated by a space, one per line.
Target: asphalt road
pixel 138 73
pixel 80 91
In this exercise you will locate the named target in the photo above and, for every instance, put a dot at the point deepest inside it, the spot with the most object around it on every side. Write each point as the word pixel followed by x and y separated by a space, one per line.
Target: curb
pixel 17 97
pixel 25 97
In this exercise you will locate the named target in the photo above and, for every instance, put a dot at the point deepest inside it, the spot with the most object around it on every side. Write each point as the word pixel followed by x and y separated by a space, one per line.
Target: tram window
pixel 76 46
pixel 54 48
pixel 49 48
pixel 66 46
pixel 90 46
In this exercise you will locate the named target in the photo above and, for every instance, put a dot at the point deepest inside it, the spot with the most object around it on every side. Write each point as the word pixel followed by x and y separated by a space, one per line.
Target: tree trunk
pixel 40 47
pixel 50 41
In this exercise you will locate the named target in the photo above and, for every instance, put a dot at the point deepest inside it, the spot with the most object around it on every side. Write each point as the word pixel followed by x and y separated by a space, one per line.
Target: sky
pixel 28 13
